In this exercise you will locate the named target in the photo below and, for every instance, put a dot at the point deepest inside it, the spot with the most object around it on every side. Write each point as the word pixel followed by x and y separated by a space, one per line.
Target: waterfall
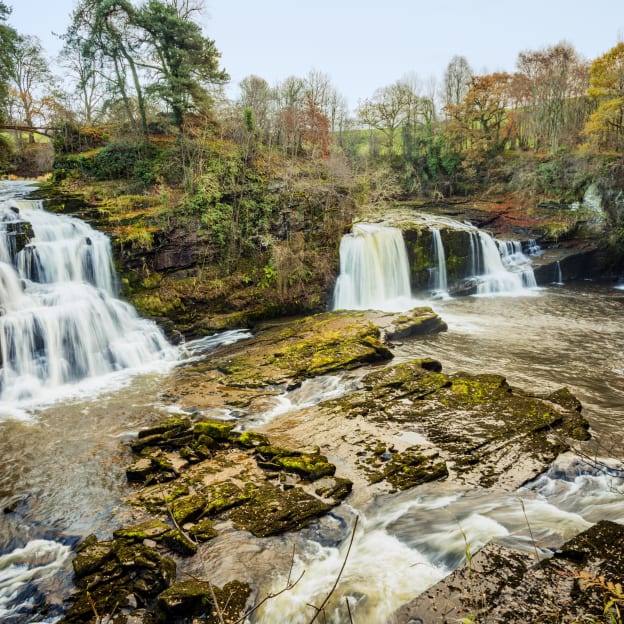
pixel 438 272
pixel 374 270
pixel 475 254
pixel 505 269
pixel 558 274
pixel 59 319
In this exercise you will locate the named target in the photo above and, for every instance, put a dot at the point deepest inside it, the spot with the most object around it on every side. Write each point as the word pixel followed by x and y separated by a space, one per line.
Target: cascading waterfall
pixel 438 272
pixel 374 270
pixel 60 321
pixel 505 269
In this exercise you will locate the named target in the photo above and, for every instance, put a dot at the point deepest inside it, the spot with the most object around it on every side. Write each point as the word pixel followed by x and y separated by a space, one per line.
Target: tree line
pixel 146 68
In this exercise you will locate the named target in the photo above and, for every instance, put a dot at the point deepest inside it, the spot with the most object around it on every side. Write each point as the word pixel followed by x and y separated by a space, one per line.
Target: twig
pixel 337 580
pixel 349 610
pixel 537 557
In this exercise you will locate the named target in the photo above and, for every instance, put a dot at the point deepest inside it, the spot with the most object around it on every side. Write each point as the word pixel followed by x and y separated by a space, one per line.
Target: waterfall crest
pixel 59 319
pixel 374 270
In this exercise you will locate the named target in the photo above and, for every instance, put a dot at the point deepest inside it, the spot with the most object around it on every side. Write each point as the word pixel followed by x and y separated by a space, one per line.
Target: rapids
pixel 63 478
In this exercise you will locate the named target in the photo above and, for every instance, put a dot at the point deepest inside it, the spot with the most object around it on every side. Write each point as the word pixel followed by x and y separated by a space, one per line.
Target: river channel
pixel 63 458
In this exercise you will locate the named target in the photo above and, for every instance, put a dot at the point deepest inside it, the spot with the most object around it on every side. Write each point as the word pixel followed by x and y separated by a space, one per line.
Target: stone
pixel 579 583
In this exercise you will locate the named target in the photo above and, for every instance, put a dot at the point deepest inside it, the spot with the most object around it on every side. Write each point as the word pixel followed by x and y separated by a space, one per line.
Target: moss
pixel 189 598
pixel 187 508
pixel 223 496
pixel 155 497
pixel 151 529
pixel 310 467
pixel 217 430
pixel 91 555
pixel 203 531
pixel 271 511
pixel 177 541
pixel 410 468
pixel 337 489
pixel 251 439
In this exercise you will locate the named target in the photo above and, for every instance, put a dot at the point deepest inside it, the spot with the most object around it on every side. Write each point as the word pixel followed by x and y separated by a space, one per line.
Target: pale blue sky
pixel 366 44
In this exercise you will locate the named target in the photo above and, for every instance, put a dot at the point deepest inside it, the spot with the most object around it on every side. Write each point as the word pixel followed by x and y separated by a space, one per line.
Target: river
pixel 62 474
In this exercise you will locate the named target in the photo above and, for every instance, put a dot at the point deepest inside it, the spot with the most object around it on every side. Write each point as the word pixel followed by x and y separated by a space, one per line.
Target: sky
pixel 363 45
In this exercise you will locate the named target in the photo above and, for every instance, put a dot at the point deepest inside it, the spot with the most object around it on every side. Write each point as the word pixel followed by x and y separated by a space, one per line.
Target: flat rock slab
pixel 281 355
pixel 410 423
pixel 502 585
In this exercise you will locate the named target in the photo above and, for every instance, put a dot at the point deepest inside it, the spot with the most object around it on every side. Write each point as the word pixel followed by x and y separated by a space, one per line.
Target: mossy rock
pixel 252 439
pixel 483 429
pixel 115 575
pixel 410 468
pixel 150 529
pixel 271 511
pixel 168 425
pixel 91 555
pixel 222 496
pixel 203 531
pixel 310 467
pixel 189 598
pixel 417 322
pixel 214 429
pixel 177 541
pixel 188 508
pixel 334 488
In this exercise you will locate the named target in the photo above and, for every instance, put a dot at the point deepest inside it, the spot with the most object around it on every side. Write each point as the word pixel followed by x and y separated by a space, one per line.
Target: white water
pixel 438 272
pixel 406 542
pixel 558 274
pixel 374 270
pixel 61 322
pixel 24 567
pixel 505 269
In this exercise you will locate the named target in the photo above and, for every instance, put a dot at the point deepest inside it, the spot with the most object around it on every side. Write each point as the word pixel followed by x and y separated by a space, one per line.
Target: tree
pixel 27 72
pixel 606 88
pixel 480 124
pixel 8 37
pixel 386 111
pixel 456 80
pixel 182 61
pixel 86 67
pixel 556 81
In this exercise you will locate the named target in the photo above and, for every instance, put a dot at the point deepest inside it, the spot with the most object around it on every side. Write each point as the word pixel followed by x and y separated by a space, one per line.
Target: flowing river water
pixel 63 459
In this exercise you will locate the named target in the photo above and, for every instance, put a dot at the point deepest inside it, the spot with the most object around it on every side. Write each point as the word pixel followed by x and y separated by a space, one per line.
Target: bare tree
pixel 456 80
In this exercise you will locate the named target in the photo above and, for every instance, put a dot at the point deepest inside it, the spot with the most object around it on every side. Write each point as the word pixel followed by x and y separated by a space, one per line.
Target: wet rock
pixel 501 585
pixel 417 322
pixel 189 598
pixel 112 576
pixel 271 510
pixel 483 430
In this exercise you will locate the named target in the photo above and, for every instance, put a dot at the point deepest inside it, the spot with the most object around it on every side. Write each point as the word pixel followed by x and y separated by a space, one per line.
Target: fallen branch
pixel 337 580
